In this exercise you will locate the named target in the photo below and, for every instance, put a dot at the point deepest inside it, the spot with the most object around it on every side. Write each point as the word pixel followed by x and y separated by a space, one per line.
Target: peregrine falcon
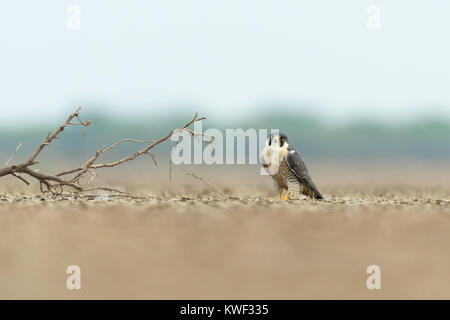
pixel 287 168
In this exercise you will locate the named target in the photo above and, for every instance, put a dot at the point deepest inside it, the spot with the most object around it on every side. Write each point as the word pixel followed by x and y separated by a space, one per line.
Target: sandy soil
pixel 185 241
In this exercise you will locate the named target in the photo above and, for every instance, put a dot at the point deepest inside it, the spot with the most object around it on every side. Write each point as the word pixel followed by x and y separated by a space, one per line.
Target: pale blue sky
pixel 223 56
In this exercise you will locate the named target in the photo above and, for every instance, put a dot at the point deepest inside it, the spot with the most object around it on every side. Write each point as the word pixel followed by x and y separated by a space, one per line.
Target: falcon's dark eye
pixel 281 141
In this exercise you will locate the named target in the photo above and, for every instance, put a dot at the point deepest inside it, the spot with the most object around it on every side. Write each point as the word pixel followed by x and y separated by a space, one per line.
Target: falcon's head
pixel 276 144
pixel 278 140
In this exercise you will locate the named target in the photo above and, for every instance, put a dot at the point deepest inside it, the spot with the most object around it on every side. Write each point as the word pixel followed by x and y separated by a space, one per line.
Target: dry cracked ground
pixel 181 239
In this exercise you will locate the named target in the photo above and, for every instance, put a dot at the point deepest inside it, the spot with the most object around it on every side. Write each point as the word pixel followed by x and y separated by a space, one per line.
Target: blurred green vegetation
pixel 427 138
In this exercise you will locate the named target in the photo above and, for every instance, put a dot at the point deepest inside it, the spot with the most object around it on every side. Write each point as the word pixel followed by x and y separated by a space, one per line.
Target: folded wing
pixel 297 166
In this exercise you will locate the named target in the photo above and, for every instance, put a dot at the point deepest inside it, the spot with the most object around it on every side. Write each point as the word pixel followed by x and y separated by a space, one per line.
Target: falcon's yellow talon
pixel 286 197
pixel 279 194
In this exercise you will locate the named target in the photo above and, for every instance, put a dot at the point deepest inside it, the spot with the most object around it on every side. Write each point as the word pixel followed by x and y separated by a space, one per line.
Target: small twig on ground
pixel 206 182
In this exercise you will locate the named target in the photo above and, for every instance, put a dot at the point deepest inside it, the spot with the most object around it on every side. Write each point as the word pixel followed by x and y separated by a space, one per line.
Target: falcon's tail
pixel 313 192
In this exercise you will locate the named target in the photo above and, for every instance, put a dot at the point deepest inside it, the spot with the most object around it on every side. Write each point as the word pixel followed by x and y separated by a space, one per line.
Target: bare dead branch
pixel 55 184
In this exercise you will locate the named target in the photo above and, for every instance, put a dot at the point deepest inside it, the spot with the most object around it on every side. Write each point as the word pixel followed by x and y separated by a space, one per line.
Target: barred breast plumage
pixel 286 179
